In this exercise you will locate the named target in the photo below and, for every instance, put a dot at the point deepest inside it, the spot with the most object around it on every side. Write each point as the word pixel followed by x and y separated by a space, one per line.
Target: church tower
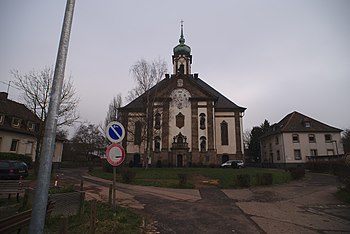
pixel 182 58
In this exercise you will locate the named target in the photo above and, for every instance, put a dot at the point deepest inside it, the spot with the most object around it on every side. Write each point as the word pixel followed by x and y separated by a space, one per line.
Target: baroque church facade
pixel 192 123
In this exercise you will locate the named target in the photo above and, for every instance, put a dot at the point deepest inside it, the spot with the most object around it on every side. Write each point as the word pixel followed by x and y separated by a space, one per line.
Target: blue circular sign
pixel 115 132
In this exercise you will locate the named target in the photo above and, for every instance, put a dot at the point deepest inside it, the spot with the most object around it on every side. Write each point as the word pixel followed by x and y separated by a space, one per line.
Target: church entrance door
pixel 224 158
pixel 179 160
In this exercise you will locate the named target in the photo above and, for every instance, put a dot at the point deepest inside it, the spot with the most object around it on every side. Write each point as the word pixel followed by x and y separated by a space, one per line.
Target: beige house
pixel 297 139
pixel 18 129
pixel 192 122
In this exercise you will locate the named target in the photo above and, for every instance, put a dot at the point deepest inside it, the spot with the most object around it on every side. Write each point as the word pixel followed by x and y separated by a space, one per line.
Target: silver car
pixel 233 164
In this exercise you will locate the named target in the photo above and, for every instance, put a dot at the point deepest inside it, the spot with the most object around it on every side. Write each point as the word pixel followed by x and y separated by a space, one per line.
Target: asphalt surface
pixel 306 206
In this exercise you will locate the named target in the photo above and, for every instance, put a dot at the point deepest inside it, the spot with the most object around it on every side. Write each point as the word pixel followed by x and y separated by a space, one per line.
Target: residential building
pixel 18 130
pixel 297 139
pixel 192 123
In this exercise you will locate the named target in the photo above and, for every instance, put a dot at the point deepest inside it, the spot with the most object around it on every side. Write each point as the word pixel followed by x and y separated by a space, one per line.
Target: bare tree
pixel 89 141
pixel 36 89
pixel 112 114
pixel 146 75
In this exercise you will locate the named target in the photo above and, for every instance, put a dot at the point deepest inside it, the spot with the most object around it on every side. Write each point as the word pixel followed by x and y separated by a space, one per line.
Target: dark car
pixel 12 169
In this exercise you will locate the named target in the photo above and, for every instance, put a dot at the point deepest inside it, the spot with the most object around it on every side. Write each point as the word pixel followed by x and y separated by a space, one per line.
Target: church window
pixel 202 121
pixel 138 132
pixel 157 121
pixel 224 133
pixel 180 120
pixel 203 143
pixel 157 143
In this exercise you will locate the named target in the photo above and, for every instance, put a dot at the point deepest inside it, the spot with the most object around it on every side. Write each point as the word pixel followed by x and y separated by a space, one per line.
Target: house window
pixel 202 121
pixel 29 147
pixel 278 155
pixel 224 133
pixel 138 131
pixel 2 119
pixel 312 138
pixel 313 152
pixel 203 143
pixel 157 143
pixel 307 124
pixel 16 122
pixel 297 154
pixel 14 145
pixel 276 140
pixel 328 137
pixel 157 121
pixel 330 152
pixel 295 138
pixel 31 126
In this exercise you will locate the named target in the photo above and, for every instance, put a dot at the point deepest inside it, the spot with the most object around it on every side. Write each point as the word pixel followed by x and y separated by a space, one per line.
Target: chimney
pixel 3 96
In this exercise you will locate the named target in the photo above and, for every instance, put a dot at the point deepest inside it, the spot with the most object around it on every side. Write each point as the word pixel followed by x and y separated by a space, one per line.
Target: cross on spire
pixel 182 39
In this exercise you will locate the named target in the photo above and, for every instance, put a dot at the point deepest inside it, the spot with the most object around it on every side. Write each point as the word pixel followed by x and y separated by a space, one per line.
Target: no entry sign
pixel 115 154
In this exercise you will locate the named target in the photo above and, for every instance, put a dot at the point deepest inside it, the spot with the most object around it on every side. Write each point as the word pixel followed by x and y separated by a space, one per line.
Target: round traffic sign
pixel 115 132
pixel 115 154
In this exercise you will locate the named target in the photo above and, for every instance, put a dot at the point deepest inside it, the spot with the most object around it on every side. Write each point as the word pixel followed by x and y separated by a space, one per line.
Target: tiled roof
pixel 222 103
pixel 11 109
pixel 297 122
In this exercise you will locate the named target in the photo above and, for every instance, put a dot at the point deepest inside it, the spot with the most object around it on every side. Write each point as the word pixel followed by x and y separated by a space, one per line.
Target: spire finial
pixel 182 39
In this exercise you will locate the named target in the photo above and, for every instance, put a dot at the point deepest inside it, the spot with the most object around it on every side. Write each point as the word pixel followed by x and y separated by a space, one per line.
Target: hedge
pixel 19 157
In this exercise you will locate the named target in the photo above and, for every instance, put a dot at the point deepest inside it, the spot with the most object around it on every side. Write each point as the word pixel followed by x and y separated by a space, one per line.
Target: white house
pixel 18 130
pixel 298 139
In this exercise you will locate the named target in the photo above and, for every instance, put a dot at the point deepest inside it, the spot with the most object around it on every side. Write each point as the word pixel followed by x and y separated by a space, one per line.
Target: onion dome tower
pixel 182 58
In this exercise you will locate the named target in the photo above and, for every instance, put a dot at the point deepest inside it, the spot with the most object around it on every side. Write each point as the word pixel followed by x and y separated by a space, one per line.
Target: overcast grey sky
pixel 272 57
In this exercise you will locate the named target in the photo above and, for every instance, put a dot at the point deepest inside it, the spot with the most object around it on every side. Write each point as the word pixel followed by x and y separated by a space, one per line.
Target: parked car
pixel 233 164
pixel 12 169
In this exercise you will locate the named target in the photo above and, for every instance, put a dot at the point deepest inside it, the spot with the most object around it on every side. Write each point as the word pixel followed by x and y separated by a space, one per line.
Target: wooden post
pixel 82 202
pixel 93 217
pixel 82 184
pixel 64 226
pixel 110 195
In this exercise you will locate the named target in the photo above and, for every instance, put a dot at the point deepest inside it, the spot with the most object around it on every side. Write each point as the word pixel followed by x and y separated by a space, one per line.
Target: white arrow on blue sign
pixel 115 132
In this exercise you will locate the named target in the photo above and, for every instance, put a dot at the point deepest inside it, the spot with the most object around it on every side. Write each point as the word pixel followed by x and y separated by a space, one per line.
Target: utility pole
pixel 43 183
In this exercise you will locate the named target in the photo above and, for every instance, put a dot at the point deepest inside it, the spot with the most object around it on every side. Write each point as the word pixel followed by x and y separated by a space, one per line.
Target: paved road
pixel 306 206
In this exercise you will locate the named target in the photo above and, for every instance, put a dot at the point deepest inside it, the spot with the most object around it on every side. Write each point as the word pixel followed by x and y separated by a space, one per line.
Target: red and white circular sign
pixel 115 154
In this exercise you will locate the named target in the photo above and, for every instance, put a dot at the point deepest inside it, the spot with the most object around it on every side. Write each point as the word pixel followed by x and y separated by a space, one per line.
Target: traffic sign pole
pixel 115 153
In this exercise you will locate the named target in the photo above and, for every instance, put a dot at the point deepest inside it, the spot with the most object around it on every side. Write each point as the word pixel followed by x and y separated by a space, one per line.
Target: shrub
pixel 106 166
pixel 264 178
pixel 19 157
pixel 128 176
pixel 297 173
pixel 242 180
pixel 182 179
pixel 159 164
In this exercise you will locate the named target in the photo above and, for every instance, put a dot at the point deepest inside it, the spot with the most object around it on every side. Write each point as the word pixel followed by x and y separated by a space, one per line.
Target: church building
pixel 192 123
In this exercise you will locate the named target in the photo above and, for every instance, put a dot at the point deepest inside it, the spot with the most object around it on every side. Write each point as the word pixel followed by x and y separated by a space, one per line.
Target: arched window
pixel 138 132
pixel 202 121
pixel 224 133
pixel 157 143
pixel 203 143
pixel 157 121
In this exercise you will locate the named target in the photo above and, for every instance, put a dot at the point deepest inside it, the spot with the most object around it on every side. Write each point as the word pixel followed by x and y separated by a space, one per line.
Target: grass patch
pixel 125 221
pixel 343 195
pixel 168 177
